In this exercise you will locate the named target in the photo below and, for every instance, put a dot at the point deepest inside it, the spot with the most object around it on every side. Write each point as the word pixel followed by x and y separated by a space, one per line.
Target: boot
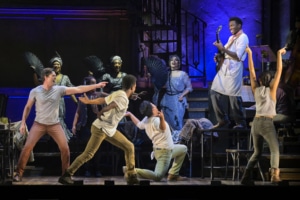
pixel 275 175
pixel 247 177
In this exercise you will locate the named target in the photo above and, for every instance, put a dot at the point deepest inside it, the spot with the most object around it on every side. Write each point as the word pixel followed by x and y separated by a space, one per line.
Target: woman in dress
pixel 174 101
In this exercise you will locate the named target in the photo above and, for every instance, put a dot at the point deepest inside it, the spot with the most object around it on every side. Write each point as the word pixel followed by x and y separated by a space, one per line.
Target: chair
pixel 236 154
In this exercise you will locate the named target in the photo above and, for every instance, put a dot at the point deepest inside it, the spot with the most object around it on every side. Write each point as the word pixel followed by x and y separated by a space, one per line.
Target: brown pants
pixel 36 132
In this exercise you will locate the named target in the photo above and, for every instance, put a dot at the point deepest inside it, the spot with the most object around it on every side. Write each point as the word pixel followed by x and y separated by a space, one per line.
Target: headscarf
pixel 114 58
pixel 56 59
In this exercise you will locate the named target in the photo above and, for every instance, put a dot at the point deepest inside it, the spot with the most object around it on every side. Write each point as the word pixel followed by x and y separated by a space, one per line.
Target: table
pixel 218 130
pixel 8 152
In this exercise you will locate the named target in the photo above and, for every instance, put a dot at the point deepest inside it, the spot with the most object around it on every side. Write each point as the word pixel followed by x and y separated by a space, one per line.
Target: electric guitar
pixel 220 55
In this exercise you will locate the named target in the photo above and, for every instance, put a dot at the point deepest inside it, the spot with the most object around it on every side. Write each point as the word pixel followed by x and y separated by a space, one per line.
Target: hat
pixel 56 59
pixel 114 58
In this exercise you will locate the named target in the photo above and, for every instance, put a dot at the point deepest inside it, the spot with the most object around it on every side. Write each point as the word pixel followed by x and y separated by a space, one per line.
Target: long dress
pixel 173 109
pixel 65 81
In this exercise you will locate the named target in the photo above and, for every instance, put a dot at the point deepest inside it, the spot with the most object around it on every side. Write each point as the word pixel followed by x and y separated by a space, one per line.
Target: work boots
pixel 247 178
pixel 131 178
pixel 275 178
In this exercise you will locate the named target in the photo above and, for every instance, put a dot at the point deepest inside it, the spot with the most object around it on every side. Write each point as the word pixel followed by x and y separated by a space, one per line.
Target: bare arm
pixel 136 96
pixel 84 88
pixel 26 112
pixel 110 106
pixel 132 117
pixel 75 120
pixel 275 82
pixel 185 92
pixel 162 124
pixel 253 79
pixel 86 100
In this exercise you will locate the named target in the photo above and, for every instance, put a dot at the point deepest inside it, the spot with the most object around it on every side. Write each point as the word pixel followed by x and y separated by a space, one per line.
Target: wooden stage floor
pixel 47 187
pixel 120 181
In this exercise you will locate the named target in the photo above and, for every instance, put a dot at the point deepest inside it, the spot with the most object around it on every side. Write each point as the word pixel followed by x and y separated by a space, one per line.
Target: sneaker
pixel 66 179
pixel 172 177
pixel 17 177
pixel 132 179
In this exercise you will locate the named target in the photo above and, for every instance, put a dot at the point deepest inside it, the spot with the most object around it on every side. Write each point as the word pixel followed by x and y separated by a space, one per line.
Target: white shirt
pixel 110 119
pixel 229 78
pixel 160 139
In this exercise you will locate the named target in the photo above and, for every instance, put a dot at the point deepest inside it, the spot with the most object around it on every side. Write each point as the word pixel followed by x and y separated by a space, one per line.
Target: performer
pixel 174 101
pixel 164 150
pixel 228 80
pixel 105 128
pixel 263 128
pixel 46 98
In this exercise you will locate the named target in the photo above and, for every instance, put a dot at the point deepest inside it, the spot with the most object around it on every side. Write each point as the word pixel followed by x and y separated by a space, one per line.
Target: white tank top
pixel 265 105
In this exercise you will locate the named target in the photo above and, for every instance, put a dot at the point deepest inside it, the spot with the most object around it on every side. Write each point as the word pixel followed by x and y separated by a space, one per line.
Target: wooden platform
pixel 47 187
pixel 119 180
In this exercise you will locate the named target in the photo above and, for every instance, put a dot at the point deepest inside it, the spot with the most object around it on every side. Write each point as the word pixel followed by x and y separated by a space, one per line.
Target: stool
pixel 235 155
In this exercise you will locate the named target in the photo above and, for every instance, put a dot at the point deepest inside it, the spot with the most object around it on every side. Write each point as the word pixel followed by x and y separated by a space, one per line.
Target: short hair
pixel 237 20
pixel 88 79
pixel 128 82
pixel 146 108
pixel 46 72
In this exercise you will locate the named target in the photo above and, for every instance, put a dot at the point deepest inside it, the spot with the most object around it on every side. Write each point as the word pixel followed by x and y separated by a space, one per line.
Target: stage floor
pixel 119 180
pixel 48 188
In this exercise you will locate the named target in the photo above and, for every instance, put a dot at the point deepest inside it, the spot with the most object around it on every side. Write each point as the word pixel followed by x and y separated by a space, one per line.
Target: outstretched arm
pixel 84 88
pixel 275 82
pixel 86 100
pixel 132 117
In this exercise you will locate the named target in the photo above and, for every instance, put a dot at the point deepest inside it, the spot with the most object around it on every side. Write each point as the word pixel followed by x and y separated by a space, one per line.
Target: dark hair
pixel 46 72
pixel 87 80
pixel 266 78
pixel 176 56
pixel 128 82
pixel 146 108
pixel 237 20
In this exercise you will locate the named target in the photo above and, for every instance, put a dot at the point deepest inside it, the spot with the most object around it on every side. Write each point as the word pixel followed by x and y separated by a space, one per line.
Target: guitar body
pixel 220 56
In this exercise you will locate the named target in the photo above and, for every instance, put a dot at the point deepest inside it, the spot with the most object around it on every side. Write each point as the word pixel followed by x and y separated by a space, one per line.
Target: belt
pixel 161 149
pixel 264 117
